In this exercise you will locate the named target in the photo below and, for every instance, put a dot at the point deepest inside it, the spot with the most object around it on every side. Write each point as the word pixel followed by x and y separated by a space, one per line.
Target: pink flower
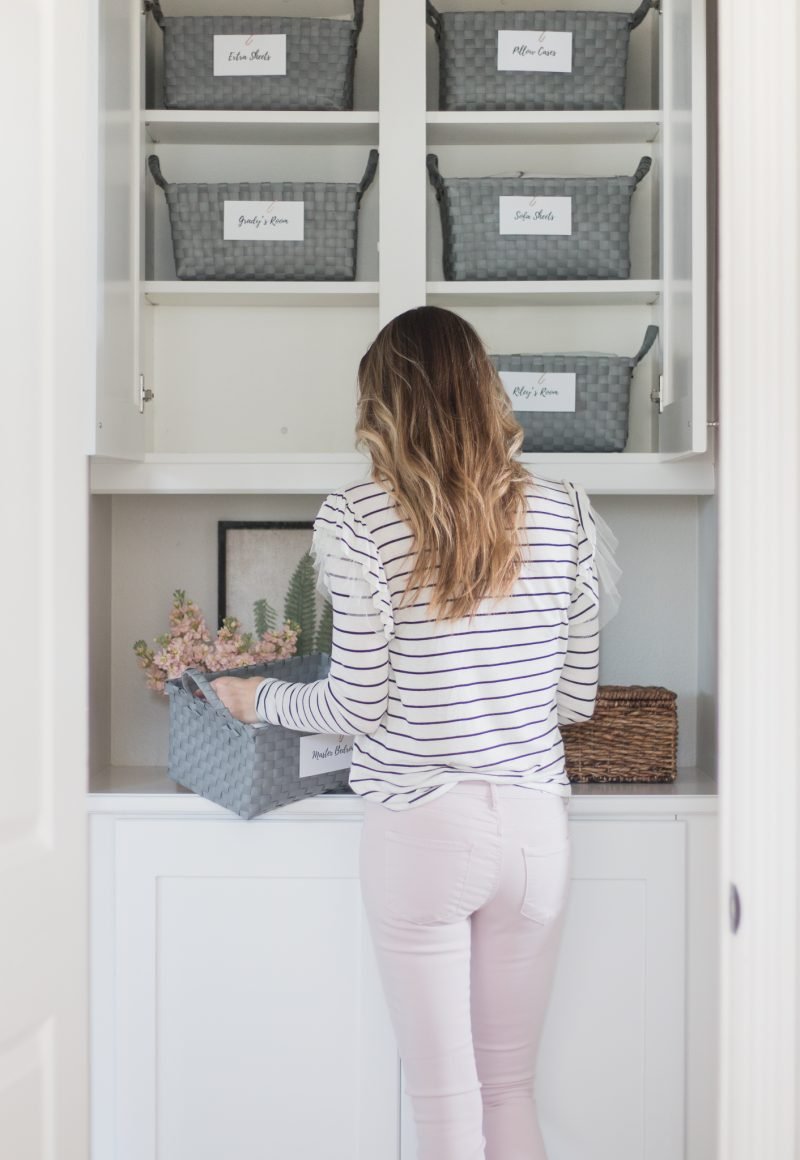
pixel 189 644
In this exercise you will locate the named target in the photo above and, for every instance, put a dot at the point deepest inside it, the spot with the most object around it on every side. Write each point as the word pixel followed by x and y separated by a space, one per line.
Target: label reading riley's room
pixel 534 51
pixel 535 215
pixel 263 221
pixel 250 56
pixel 325 753
pixel 532 391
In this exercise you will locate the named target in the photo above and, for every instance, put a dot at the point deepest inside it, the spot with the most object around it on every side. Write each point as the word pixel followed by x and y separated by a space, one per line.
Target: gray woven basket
pixel 245 768
pixel 469 77
pixel 327 252
pixel 320 62
pixel 602 399
pixel 474 248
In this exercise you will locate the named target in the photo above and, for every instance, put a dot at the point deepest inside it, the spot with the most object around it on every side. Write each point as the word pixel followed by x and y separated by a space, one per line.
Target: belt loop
pixel 493 788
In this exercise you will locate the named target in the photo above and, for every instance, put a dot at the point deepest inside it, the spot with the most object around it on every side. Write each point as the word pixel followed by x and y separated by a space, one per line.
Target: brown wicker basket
pixel 633 736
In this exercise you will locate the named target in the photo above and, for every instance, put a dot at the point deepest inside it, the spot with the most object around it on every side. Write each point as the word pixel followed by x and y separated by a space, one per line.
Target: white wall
pixel 159 543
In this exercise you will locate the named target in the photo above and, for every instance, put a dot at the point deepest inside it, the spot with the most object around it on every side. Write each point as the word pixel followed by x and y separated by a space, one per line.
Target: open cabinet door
pixel 48 90
pixel 682 423
pixel 119 425
pixel 759 485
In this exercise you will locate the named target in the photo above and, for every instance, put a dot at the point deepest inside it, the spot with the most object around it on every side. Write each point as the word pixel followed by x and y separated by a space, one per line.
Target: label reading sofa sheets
pixel 263 221
pixel 534 51
pixel 534 391
pixel 535 215
pixel 250 56
pixel 325 753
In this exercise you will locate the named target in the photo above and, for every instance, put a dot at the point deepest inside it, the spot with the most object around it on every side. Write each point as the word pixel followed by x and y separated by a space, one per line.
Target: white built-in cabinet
pixel 239 399
pixel 236 1011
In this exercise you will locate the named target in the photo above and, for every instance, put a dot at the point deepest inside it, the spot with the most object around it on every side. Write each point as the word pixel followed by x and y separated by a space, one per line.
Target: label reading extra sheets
pixel 250 56
pixel 534 51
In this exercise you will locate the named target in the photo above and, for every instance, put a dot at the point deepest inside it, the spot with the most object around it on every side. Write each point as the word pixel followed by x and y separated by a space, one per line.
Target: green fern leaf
pixel 301 605
pixel 264 616
pixel 325 630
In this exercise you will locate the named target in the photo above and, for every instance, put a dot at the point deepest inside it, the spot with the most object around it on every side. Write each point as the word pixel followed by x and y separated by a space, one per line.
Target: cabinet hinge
pixel 657 392
pixel 145 394
pixel 712 423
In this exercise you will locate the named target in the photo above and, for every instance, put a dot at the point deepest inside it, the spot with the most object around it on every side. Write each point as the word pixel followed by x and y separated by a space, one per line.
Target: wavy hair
pixel 438 426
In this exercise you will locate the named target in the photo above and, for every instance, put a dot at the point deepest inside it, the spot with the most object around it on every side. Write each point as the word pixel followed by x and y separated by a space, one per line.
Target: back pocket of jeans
pixel 547 878
pixel 424 876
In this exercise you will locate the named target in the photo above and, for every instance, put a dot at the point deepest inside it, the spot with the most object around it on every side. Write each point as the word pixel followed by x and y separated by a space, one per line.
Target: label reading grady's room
pixel 325 753
pixel 536 391
pixel 250 56
pixel 263 221
pixel 535 215
pixel 534 51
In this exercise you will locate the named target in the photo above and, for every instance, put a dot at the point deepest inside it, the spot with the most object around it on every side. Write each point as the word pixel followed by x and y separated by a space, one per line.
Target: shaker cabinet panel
pixel 234 986
pixel 611 1066
pixel 239 1008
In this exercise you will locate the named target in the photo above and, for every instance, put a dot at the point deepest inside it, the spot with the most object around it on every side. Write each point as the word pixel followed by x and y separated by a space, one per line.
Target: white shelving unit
pixel 251 417
pixel 172 337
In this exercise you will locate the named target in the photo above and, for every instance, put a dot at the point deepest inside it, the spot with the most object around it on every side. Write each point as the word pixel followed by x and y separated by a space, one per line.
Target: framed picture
pixel 269 561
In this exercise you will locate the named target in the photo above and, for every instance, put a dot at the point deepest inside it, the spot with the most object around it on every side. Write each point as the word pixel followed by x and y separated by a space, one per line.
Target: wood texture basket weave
pixel 633 736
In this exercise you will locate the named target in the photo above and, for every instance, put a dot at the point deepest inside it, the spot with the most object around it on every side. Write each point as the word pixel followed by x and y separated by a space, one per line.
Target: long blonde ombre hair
pixel 439 428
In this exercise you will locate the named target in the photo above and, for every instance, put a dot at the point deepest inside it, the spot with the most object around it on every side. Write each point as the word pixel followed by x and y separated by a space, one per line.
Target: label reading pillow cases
pixel 325 753
pixel 250 56
pixel 535 215
pixel 263 221
pixel 534 51
pixel 535 391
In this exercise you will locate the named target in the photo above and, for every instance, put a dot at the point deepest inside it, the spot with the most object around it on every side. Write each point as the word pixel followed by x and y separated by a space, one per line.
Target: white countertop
pixel 148 790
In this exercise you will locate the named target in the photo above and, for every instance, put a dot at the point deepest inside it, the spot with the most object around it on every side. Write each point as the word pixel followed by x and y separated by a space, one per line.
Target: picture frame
pixel 269 560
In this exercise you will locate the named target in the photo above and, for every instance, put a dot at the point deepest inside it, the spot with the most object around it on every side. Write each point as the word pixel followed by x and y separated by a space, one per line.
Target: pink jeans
pixel 465 899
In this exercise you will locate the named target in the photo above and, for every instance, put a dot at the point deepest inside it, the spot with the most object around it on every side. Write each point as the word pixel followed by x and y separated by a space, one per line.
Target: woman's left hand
pixel 238 695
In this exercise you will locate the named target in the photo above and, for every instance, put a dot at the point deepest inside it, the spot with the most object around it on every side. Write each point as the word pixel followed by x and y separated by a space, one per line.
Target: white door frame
pixel 759 487
pixel 47 206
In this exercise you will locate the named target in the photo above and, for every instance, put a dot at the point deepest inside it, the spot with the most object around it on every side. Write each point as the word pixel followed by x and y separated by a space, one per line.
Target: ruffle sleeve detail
pixel 598 571
pixel 349 567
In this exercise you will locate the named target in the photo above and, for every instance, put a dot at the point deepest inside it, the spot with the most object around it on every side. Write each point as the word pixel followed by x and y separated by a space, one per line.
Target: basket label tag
pixel 325 753
pixel 535 215
pixel 250 56
pixel 534 51
pixel 263 221
pixel 535 391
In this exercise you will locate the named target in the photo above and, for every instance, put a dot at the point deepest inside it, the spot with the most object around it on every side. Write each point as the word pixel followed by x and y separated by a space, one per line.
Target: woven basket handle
pixel 638 16
pixel 154 166
pixel 154 6
pixel 642 169
pixel 437 181
pixel 650 336
pixel 433 18
pixel 196 678
pixel 369 173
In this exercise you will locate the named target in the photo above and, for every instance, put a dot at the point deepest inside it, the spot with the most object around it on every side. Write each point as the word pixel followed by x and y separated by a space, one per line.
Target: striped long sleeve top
pixel 431 704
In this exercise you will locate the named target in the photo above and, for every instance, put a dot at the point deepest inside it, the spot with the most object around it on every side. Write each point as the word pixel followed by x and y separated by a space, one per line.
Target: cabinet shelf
pixel 645 473
pixel 137 789
pixel 616 127
pixel 625 292
pixel 201 127
pixel 177 293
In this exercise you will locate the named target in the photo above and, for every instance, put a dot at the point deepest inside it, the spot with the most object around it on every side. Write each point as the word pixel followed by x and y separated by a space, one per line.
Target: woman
pixel 466 615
